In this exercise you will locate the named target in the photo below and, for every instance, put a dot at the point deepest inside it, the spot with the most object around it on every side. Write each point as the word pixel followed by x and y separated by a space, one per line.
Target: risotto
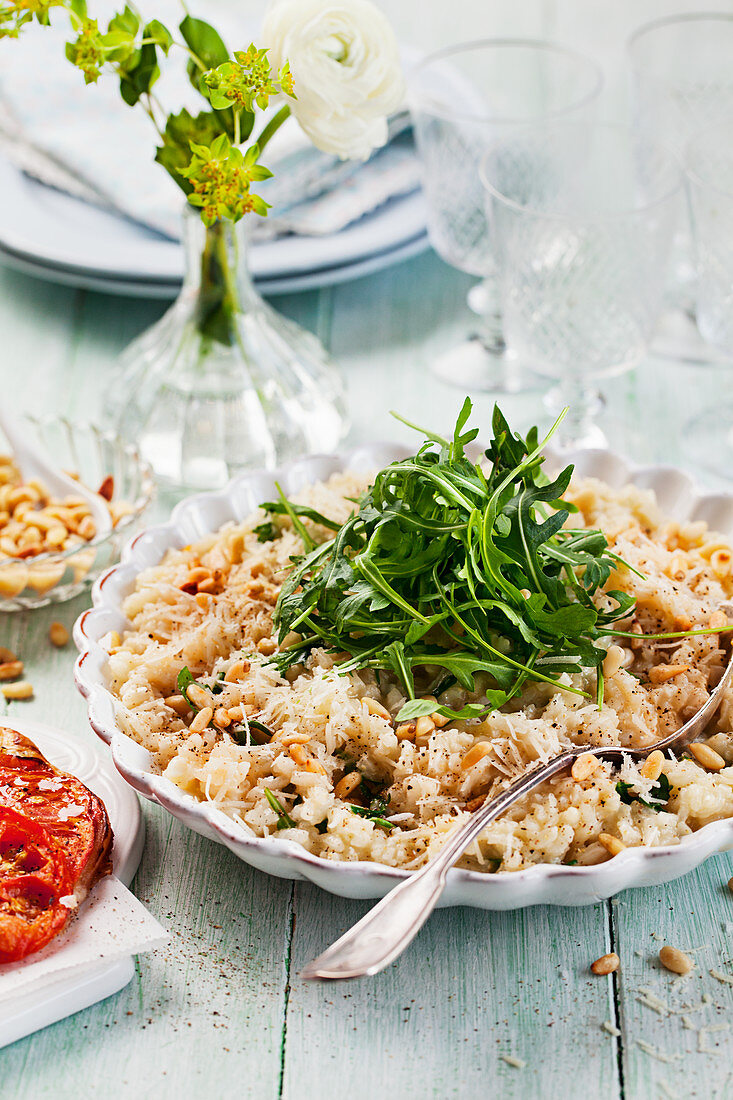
pixel 321 746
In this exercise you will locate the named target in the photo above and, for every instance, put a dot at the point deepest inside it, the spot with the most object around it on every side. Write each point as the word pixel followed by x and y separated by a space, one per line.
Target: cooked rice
pixel 687 575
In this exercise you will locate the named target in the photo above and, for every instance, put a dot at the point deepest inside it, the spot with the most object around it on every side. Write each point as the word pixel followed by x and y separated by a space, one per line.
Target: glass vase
pixel 223 382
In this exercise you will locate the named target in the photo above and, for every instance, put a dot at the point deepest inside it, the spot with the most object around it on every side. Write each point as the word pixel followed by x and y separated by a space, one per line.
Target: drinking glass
pixel 682 80
pixel 582 221
pixel 708 439
pixel 462 99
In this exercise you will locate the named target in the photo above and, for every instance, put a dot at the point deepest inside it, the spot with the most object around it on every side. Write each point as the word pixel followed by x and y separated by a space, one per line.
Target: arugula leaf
pixel 284 820
pixel 660 794
pixel 446 565
pixel 278 508
pixel 374 812
pixel 184 681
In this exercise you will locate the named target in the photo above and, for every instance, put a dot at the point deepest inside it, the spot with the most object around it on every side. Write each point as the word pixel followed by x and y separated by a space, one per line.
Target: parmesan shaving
pixel 648 998
pixel 653 1052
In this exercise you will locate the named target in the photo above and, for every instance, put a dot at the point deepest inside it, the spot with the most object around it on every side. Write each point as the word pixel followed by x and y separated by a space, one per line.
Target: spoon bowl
pixel 33 464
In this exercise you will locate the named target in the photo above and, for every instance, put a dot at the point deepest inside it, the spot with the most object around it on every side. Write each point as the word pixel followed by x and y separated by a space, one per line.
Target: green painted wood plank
pixel 473 987
pixel 694 912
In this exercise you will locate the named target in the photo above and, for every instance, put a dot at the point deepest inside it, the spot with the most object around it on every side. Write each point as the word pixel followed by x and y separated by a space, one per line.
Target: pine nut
pixel 375 708
pixel 636 628
pixel 612 844
pixel 720 562
pixel 267 647
pixel 6 655
pixel 478 752
pixel 221 718
pixel 682 622
pixel 660 674
pixel 652 766
pixel 613 661
pixel 475 803
pixel 178 704
pixel 201 720
pixel 439 720
pixel 607 964
pixel 675 960
pixel 706 756
pixel 21 690
pixel 347 785
pixel 424 726
pixel 10 670
pixel 406 731
pixel 237 672
pixel 295 739
pixel 313 766
pixel 58 635
pixel 718 620
pixel 88 529
pixel 298 754
pixel 236 713
pixel 199 696
pixel 584 765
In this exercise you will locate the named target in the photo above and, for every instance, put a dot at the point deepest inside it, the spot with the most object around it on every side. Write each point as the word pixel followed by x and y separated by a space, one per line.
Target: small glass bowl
pixel 91 454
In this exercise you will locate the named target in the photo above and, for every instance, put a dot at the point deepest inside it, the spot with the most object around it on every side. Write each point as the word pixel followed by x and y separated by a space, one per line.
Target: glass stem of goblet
pixel 484 300
pixel 583 402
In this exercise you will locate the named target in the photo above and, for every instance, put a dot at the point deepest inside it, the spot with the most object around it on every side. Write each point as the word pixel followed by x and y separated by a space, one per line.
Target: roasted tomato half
pixel 34 876
pixel 72 814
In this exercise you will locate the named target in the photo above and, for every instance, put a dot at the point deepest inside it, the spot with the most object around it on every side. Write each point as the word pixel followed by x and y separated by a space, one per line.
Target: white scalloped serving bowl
pixel 544 884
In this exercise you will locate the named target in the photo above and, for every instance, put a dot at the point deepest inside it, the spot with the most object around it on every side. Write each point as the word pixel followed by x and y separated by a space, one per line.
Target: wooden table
pixel 222 1011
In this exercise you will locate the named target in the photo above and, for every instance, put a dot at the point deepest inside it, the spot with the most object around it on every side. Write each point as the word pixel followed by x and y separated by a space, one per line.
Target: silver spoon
pixel 383 934
pixel 33 464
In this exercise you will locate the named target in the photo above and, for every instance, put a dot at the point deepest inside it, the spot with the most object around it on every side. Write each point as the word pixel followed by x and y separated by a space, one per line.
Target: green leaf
pixel 184 681
pixel 659 794
pixel 372 814
pixel 205 42
pixel 140 73
pixel 284 820
pixel 163 37
pixel 180 131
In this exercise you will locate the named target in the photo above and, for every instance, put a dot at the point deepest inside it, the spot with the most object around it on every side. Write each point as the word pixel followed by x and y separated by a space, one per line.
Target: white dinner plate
pixel 283 284
pixel 199 515
pixel 81 757
pixel 52 229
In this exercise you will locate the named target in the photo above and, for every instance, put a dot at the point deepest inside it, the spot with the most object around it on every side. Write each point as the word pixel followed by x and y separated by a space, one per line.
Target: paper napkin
pixel 111 924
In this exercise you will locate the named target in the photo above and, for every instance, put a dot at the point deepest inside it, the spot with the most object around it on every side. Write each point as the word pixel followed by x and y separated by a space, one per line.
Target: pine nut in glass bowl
pixel 33 573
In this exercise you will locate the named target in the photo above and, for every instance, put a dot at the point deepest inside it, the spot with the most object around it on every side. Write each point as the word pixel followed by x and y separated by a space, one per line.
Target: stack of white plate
pixel 55 236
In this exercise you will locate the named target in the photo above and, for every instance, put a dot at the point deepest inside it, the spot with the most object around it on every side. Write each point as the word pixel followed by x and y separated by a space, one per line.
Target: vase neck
pixel 217 273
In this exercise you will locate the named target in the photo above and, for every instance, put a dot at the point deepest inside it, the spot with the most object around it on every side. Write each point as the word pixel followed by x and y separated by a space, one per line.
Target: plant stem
pixel 218 300
pixel 237 132
pixel 273 126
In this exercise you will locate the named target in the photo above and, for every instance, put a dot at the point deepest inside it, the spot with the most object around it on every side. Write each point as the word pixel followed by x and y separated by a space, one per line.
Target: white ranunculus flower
pixel 346 70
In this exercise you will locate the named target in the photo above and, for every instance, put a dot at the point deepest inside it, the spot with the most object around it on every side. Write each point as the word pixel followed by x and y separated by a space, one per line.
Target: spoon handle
pixel 386 930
